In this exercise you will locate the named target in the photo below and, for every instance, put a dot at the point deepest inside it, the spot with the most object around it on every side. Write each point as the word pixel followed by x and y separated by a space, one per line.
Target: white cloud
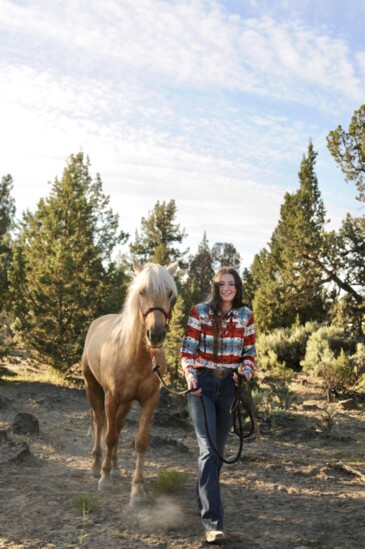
pixel 360 60
pixel 191 43
pixel 57 112
pixel 293 59
pixel 162 96
pixel 138 165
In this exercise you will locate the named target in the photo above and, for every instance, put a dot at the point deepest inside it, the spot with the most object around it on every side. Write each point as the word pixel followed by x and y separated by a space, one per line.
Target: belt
pixel 218 373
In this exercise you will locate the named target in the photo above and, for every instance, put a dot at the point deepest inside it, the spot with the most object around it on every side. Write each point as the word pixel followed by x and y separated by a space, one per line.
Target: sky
pixel 210 103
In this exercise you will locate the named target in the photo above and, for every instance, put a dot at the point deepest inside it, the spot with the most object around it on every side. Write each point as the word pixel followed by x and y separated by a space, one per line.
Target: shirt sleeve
pixel 248 358
pixel 190 343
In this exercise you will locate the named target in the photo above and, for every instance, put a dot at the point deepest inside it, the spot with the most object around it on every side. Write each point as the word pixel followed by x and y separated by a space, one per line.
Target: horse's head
pixel 156 290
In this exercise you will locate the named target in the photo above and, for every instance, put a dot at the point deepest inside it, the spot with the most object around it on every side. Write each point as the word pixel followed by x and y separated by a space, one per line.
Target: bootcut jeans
pixel 218 395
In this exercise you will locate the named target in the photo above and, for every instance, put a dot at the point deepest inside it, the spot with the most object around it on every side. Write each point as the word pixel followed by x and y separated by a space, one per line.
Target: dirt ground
pixel 289 491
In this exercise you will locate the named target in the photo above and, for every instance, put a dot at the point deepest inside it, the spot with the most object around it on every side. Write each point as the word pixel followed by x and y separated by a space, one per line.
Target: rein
pixel 235 412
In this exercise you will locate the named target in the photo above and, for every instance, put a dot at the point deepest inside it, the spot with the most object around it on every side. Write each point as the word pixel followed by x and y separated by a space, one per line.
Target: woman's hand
pixel 239 379
pixel 192 382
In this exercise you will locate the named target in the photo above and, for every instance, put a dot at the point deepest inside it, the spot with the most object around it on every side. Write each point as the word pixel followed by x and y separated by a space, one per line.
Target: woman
pixel 218 346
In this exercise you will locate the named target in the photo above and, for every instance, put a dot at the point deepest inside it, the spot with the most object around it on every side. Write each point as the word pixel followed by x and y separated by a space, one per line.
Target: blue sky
pixel 210 103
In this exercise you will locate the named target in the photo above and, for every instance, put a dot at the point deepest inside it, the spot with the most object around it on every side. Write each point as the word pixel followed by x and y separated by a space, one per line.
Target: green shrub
pixel 169 481
pixel 324 347
pixel 6 337
pixel 357 361
pixel 86 502
pixel 284 346
pixel 333 356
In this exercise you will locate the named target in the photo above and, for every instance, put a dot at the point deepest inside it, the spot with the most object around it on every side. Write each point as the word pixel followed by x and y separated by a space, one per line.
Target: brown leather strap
pixel 217 373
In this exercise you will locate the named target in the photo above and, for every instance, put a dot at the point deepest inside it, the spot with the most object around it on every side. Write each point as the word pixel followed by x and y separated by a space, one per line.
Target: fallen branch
pixel 350 470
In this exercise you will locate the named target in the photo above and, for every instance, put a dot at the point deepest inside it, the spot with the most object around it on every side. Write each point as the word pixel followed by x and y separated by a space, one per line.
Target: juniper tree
pixel 158 236
pixel 200 274
pixel 348 150
pixel 7 213
pixel 344 263
pixel 290 282
pixel 174 339
pixel 63 275
pixel 225 255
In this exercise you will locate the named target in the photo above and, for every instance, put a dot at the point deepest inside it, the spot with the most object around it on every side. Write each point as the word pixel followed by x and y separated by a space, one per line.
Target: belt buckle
pixel 220 372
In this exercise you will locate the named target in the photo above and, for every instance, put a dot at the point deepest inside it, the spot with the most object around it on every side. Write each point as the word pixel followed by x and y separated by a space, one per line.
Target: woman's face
pixel 227 288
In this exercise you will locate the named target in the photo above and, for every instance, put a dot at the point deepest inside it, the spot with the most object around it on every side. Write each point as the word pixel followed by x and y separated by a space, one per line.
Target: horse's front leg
pixel 122 412
pixel 138 495
pixel 111 441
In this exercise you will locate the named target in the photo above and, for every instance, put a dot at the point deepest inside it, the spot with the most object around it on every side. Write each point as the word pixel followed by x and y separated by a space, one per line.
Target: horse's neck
pixel 137 346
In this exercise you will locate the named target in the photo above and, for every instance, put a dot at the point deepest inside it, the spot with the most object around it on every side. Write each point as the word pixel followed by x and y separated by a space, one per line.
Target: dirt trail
pixel 287 492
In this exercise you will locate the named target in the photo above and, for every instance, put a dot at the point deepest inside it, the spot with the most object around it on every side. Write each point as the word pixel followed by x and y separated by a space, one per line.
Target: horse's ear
pixel 137 267
pixel 172 268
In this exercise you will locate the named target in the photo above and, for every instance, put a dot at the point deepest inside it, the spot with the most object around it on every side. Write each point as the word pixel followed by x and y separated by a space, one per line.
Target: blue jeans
pixel 218 395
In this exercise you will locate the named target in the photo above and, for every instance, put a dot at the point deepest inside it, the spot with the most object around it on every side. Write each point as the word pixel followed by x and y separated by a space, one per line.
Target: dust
pixel 164 515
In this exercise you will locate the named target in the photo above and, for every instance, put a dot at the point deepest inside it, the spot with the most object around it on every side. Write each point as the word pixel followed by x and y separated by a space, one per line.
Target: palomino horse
pixel 117 368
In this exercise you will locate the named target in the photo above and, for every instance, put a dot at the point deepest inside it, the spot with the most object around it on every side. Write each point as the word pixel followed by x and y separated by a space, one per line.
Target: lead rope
pixel 156 370
pixel 235 412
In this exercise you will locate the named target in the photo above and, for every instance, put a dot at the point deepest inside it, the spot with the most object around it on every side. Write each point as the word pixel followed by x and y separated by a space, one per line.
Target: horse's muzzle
pixel 156 337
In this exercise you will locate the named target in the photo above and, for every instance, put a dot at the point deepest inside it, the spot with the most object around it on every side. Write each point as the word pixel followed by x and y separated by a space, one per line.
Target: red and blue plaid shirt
pixel 236 345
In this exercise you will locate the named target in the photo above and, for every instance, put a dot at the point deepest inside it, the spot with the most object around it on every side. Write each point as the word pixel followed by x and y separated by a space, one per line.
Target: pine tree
pixel 251 277
pixel 348 150
pixel 200 273
pixel 344 260
pixel 156 241
pixel 225 255
pixel 290 283
pixel 7 213
pixel 173 342
pixel 63 275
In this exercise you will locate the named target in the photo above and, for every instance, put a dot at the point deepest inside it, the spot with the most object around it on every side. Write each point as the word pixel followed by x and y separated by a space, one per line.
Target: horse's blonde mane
pixel 153 279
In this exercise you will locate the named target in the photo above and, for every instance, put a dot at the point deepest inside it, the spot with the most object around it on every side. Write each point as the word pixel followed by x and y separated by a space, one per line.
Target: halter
pixel 167 314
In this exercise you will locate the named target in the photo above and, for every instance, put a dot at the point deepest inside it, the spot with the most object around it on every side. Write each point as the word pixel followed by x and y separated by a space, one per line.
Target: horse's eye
pixel 142 293
pixel 169 294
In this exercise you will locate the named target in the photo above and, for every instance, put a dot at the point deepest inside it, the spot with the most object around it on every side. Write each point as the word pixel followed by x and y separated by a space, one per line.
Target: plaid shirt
pixel 237 341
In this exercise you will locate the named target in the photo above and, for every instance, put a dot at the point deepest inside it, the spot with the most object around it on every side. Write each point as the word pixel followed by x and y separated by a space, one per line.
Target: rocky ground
pixel 301 486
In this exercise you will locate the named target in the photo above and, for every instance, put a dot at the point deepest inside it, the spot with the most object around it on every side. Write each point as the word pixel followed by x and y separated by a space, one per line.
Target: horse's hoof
pixel 138 500
pixel 104 485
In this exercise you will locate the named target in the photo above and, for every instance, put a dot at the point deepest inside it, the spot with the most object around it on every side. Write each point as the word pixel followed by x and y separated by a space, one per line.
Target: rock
pixel 25 424
pixel 13 452
pixel 310 407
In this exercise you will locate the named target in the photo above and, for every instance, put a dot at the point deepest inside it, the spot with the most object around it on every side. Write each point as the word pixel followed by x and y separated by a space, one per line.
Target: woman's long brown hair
pixel 216 301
